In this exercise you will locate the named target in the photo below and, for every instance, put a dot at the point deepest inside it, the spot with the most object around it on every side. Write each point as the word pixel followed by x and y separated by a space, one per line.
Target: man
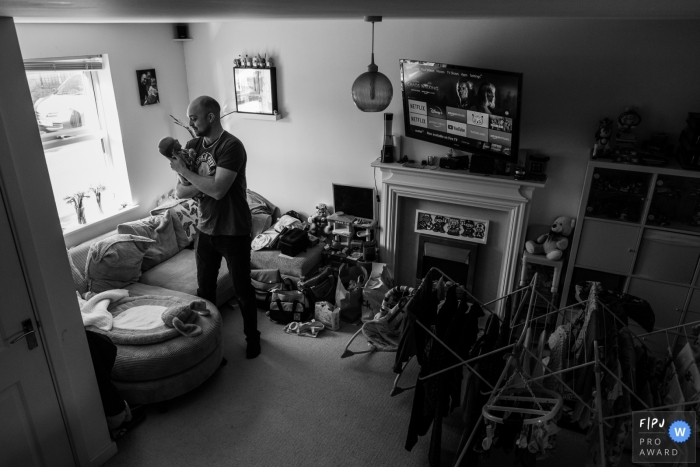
pixel 465 91
pixel 485 99
pixel 224 217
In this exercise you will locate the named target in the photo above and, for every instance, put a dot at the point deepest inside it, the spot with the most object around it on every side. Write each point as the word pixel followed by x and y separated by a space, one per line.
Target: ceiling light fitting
pixel 372 91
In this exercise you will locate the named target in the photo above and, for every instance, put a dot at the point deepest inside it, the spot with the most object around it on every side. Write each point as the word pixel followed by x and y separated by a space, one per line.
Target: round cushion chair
pixel 146 374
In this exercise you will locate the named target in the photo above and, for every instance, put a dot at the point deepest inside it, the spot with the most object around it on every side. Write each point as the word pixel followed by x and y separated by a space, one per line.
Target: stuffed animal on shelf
pixel 182 317
pixel 555 242
pixel 602 137
pixel 319 221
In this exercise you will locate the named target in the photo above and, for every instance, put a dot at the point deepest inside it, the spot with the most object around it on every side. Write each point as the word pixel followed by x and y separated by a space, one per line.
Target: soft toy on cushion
pixel 182 317
pixel 555 242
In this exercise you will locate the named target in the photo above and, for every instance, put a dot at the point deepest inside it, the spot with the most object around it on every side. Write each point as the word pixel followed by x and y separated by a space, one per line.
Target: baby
pixel 170 147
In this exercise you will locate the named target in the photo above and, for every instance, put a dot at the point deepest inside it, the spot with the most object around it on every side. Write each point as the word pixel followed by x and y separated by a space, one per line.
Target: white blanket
pixel 94 311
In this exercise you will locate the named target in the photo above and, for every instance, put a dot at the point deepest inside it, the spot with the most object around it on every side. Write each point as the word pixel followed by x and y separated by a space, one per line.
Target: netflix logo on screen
pixel 419 120
pixel 417 107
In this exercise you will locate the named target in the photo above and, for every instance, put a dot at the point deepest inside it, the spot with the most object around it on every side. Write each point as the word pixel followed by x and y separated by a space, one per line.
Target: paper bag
pixel 327 314
pixel 348 292
pixel 374 289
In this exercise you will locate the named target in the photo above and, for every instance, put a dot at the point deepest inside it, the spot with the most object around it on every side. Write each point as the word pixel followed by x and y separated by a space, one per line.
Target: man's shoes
pixel 252 350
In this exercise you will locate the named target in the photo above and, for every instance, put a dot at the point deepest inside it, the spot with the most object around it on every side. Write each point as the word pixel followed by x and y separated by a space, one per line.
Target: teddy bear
pixel 182 317
pixel 319 221
pixel 555 242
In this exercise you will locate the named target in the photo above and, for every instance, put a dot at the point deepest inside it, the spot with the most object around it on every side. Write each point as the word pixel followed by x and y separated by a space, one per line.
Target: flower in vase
pixel 97 190
pixel 77 200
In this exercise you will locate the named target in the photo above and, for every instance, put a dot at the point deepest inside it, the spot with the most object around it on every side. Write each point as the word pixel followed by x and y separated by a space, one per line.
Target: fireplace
pixel 449 191
pixel 457 259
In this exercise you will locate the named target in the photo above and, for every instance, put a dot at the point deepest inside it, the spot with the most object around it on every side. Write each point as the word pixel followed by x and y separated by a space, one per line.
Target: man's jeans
pixel 209 249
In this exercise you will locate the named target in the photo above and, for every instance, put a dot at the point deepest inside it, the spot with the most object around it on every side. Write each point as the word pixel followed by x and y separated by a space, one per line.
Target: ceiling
pixel 190 11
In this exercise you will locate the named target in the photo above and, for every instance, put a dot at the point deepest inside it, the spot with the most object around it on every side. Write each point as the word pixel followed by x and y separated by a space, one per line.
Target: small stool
pixel 557 264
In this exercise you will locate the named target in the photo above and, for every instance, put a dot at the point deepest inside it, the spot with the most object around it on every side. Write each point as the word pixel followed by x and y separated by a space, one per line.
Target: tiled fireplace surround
pixel 507 199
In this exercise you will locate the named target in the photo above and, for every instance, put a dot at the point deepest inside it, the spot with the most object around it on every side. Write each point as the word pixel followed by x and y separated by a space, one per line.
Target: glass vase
pixel 80 211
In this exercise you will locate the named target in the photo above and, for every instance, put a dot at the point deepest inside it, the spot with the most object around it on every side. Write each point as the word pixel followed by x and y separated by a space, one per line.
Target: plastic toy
pixel 555 242
pixel 627 121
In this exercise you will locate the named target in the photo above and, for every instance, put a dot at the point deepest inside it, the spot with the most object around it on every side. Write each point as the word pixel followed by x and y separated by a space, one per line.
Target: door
pixel 607 246
pixel 32 431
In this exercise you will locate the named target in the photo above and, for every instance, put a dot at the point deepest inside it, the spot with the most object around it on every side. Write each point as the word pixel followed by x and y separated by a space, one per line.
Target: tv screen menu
pixel 465 108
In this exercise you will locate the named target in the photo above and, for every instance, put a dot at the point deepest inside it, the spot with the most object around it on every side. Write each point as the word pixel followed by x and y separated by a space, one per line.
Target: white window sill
pixel 94 220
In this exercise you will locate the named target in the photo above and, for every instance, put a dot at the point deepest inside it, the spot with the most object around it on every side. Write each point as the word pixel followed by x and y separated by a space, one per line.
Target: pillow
pixel 258 204
pixel 158 228
pixel 261 222
pixel 185 219
pixel 115 262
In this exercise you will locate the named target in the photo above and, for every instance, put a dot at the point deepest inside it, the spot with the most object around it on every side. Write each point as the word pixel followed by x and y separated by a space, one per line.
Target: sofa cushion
pixel 185 219
pixel 115 262
pixel 180 273
pixel 158 228
pixel 298 266
pixel 78 277
pixel 261 222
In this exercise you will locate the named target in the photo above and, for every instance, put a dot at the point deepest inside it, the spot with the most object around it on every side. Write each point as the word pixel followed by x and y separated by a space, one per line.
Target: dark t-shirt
pixel 230 215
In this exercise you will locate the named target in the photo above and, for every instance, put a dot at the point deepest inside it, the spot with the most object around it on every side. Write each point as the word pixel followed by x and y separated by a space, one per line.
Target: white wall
pixel 575 73
pixel 130 47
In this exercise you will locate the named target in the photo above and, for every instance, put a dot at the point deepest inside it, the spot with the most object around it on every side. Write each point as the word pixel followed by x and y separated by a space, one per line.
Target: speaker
pixel 181 31
pixel 388 144
pixel 482 165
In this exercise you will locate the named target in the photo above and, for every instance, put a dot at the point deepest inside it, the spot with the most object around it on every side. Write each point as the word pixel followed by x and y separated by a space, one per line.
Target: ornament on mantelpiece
pixel 256 63
pixel 268 61
pixel 248 61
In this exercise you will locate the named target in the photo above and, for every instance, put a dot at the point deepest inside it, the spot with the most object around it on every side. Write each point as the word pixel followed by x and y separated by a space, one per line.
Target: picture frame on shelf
pixel 256 90
pixel 453 227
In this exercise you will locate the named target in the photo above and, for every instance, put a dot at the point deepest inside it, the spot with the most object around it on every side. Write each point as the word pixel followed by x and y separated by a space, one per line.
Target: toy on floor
pixel 182 317
pixel 555 242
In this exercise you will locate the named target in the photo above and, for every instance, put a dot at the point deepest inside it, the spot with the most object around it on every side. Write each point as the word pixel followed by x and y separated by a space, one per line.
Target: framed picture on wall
pixel 148 87
pixel 256 90
pixel 447 226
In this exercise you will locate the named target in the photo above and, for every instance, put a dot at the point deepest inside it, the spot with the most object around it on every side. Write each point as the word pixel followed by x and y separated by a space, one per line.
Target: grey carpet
pixel 297 404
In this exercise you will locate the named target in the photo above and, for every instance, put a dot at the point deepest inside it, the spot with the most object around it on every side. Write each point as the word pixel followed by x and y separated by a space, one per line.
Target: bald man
pixel 224 216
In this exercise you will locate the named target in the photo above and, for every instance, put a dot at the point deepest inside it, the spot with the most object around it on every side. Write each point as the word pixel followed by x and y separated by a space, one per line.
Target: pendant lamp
pixel 372 91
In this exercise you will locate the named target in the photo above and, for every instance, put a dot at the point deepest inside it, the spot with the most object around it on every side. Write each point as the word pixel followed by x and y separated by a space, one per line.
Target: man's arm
pixel 185 191
pixel 215 186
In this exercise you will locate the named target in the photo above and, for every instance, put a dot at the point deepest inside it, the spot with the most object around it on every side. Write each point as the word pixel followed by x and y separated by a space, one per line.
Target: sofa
pixel 160 371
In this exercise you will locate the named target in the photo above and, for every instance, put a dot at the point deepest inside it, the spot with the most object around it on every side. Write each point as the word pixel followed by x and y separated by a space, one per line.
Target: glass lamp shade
pixel 372 91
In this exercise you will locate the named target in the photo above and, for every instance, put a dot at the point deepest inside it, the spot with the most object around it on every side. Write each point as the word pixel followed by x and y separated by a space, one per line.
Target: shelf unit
pixel 350 230
pixel 638 232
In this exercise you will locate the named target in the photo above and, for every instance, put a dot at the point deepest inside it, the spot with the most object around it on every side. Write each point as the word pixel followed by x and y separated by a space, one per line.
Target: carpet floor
pixel 298 404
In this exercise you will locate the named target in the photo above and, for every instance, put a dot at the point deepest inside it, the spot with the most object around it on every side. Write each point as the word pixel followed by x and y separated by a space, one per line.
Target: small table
pixel 557 264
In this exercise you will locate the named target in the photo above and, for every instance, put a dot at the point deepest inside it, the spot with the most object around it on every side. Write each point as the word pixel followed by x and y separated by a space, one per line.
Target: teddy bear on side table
pixel 555 242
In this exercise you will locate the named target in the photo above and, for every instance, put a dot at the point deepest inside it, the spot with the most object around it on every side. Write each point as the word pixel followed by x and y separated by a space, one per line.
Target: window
pixel 69 104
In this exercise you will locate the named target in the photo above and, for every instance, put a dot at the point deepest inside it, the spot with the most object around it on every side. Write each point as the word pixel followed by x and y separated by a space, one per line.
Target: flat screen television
pixel 354 201
pixel 471 109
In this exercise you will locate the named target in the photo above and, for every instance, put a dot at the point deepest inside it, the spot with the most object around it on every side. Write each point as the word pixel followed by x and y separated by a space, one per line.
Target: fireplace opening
pixel 455 258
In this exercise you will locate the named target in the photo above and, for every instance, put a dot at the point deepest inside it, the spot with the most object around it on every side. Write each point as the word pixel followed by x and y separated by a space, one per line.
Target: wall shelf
pixel 268 117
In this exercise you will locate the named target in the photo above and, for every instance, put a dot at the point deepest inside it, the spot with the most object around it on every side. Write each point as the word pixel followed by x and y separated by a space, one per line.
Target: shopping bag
pixel 348 292
pixel 320 286
pixel 328 314
pixel 373 291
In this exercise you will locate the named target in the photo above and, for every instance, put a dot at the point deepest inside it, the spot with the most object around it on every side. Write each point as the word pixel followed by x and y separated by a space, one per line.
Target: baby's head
pixel 168 145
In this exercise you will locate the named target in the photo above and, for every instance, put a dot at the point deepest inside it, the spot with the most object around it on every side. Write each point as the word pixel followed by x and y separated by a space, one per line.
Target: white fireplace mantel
pixel 462 188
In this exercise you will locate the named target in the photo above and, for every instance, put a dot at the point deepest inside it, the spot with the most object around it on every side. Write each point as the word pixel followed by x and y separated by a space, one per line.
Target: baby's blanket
pixel 137 320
